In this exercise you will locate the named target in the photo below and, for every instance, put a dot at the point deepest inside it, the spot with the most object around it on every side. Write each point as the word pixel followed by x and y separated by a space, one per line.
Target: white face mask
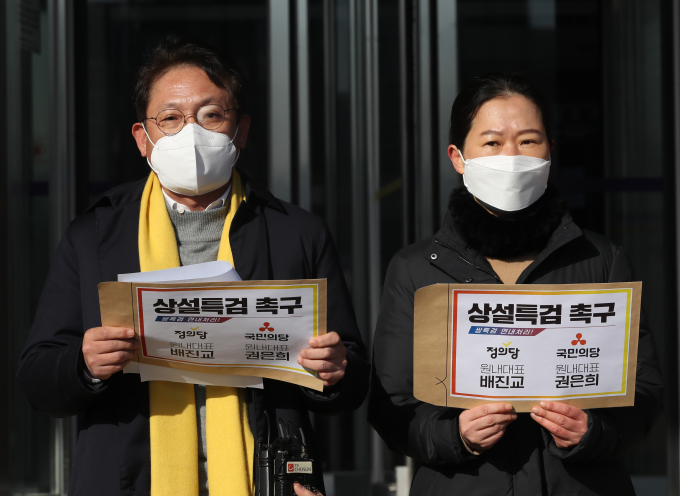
pixel 508 183
pixel 194 161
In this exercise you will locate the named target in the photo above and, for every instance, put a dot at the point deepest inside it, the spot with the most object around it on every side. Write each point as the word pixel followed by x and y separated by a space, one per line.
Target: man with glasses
pixel 133 436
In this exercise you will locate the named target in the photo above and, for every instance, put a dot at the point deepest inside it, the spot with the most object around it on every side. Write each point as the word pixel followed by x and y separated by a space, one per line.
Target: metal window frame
pixel 62 181
pixel 5 375
pixel 673 465
pixel 423 178
pixel 447 85
pixel 330 115
pixel 304 152
pixel 62 193
pixel 371 136
pixel 407 110
pixel 280 145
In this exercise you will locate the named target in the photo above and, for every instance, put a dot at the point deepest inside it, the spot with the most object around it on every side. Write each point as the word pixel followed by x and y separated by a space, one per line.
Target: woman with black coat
pixel 504 228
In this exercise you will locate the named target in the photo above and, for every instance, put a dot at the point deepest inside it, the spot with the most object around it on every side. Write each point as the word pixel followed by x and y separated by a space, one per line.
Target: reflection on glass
pixel 31 461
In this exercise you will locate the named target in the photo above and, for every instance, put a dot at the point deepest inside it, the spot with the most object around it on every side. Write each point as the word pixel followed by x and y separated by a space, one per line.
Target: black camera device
pixel 283 463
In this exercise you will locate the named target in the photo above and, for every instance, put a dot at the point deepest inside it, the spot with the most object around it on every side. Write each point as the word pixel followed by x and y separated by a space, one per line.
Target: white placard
pixel 524 345
pixel 228 326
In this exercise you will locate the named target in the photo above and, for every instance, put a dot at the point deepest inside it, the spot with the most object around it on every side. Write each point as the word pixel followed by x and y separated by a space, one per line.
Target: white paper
pixel 218 271
pixel 131 368
pixel 154 373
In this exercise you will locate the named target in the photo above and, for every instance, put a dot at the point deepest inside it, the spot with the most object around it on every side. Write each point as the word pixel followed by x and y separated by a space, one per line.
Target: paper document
pixel 219 271
pixel 154 373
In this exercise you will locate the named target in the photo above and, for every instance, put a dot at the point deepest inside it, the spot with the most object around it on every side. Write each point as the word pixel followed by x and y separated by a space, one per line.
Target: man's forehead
pixel 180 102
pixel 184 86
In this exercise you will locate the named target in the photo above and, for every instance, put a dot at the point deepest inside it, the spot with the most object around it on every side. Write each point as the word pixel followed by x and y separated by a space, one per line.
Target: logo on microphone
pixel 299 467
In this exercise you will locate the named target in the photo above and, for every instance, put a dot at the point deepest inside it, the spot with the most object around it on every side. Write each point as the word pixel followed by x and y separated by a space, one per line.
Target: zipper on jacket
pixel 436 240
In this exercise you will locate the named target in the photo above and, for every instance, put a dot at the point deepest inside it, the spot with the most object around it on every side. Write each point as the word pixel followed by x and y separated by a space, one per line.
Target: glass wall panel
pixel 342 100
pixel 394 135
pixel 33 462
pixel 634 196
pixel 331 183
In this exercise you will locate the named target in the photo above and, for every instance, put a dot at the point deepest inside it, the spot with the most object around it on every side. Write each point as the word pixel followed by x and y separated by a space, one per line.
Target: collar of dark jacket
pixel 450 237
pixel 132 192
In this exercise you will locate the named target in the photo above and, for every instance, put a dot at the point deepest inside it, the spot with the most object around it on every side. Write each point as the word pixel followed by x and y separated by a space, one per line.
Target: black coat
pixel 270 239
pixel 526 461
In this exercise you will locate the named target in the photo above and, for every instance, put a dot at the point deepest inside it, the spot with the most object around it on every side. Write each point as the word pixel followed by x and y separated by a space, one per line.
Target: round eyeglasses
pixel 171 121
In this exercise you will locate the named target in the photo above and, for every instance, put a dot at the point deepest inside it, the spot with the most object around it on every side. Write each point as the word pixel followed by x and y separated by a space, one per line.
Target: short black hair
pixel 484 88
pixel 173 52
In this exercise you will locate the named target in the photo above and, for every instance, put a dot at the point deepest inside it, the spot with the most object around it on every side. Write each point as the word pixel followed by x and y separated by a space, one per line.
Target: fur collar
pixel 511 234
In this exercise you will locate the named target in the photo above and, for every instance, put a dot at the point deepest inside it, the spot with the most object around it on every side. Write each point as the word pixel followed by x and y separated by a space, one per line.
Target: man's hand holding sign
pixel 107 350
pixel 327 355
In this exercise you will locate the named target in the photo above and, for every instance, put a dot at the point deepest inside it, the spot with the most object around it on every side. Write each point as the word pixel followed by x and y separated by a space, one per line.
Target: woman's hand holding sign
pixel 327 355
pixel 482 426
pixel 566 424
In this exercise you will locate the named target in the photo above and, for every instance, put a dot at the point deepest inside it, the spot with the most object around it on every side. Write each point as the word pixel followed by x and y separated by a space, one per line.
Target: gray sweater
pixel 198 237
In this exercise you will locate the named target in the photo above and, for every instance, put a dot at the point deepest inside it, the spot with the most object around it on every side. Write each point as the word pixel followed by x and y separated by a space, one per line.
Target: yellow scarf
pixel 172 407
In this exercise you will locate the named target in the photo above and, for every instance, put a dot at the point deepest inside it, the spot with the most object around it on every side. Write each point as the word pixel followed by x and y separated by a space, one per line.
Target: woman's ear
pixel 457 162
pixel 552 145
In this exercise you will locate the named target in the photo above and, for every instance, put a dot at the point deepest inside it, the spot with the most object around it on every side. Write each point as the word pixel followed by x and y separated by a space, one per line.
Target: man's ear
pixel 242 134
pixel 140 137
pixel 552 145
pixel 457 162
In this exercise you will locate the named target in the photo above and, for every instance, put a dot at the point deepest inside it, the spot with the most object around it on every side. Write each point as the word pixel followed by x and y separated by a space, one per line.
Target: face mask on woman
pixel 505 182
pixel 194 161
